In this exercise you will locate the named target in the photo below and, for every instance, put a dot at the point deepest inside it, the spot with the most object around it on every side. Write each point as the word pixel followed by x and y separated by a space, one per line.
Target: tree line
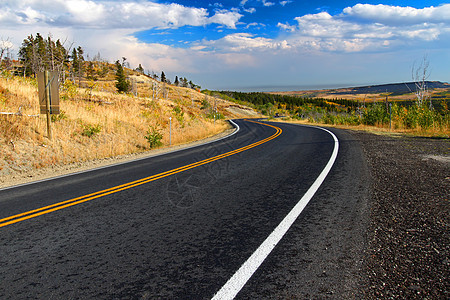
pixel 38 53
pixel 181 82
pixel 290 102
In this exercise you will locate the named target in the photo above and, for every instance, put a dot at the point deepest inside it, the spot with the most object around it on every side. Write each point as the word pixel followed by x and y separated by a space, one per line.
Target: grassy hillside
pixel 96 122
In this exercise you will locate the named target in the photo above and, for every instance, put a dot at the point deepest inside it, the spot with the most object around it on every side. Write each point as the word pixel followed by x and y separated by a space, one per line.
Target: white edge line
pixel 125 162
pixel 240 278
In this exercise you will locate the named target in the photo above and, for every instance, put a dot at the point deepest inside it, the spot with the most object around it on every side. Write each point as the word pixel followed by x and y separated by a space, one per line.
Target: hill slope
pixel 396 91
pixel 97 123
pixel 396 88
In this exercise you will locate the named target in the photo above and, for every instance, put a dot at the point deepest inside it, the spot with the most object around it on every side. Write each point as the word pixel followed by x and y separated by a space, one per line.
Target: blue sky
pixel 249 44
pixel 258 17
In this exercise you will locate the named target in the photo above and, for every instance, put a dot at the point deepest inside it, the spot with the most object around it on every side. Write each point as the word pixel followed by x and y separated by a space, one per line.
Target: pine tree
pixel 61 55
pixel 163 77
pixel 75 64
pixel 122 84
pixel 39 54
pixel 26 55
pixel 78 65
pixel 176 82
pixel 74 57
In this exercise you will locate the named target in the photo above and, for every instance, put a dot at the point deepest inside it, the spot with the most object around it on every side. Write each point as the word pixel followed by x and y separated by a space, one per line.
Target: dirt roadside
pixel 408 246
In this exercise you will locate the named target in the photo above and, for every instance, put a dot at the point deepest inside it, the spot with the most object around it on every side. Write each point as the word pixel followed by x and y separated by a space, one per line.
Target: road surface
pixel 179 226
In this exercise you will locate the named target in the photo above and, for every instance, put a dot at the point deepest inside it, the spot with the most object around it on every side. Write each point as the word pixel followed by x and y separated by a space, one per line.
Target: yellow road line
pixel 75 201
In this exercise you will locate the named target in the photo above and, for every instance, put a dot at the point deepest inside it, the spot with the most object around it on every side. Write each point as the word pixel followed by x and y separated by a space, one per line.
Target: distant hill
pixel 396 91
pixel 394 88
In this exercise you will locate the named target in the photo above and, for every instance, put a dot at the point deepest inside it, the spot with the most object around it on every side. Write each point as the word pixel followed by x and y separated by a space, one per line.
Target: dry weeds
pixel 95 123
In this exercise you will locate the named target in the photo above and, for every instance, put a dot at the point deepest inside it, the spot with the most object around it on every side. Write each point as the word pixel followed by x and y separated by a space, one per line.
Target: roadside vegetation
pixel 107 109
pixel 430 117
pixel 94 123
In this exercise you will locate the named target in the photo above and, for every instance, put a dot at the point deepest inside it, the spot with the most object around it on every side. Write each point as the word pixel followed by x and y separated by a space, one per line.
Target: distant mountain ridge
pixel 395 88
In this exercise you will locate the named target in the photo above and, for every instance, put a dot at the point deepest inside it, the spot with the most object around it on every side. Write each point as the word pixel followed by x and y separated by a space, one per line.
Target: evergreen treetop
pixel 122 84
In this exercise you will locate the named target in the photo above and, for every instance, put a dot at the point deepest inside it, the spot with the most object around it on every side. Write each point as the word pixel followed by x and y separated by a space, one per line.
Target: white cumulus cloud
pixel 238 42
pixel 227 18
pixel 109 27
pixel 400 15
pixel 110 14
pixel 364 26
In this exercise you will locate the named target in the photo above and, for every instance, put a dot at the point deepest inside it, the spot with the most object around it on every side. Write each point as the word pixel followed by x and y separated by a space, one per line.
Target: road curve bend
pixel 180 225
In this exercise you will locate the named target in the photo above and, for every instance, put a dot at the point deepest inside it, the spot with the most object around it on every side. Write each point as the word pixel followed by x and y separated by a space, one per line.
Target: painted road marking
pixel 240 278
pixel 75 201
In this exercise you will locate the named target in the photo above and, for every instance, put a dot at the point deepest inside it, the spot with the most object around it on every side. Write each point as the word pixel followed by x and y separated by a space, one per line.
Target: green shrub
pixel 217 115
pixel 179 115
pixel 352 119
pixel 68 90
pixel 410 119
pixel 426 117
pixel 398 115
pixel 329 119
pixel 154 137
pixel 205 104
pixel 178 110
pixel 91 130
pixel 375 114
pixel 61 116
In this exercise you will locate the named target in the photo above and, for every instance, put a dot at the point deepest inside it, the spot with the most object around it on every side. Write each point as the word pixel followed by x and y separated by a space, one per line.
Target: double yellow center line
pixel 57 206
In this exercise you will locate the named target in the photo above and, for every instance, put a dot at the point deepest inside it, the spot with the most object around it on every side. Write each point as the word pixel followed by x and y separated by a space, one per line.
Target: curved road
pixel 178 226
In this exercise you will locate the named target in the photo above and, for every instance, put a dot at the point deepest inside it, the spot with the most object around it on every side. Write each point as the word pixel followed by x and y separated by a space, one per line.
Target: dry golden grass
pixel 118 123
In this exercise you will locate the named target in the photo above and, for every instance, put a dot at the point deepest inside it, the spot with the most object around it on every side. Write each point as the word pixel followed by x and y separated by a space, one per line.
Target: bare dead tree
pixel 5 51
pixel 420 75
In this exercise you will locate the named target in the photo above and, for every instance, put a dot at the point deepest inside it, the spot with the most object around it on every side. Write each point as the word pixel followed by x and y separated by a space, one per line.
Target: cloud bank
pixel 366 26
pixel 111 27
pixel 110 14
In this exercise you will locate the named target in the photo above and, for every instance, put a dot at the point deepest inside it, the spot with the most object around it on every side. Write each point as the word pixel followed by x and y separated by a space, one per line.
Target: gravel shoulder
pixel 407 254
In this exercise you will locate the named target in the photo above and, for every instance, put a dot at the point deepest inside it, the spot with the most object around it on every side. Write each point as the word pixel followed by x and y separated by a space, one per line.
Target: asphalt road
pixel 178 226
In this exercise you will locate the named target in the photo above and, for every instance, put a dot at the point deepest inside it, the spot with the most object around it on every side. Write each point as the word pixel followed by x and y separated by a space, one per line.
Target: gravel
pixel 407 254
